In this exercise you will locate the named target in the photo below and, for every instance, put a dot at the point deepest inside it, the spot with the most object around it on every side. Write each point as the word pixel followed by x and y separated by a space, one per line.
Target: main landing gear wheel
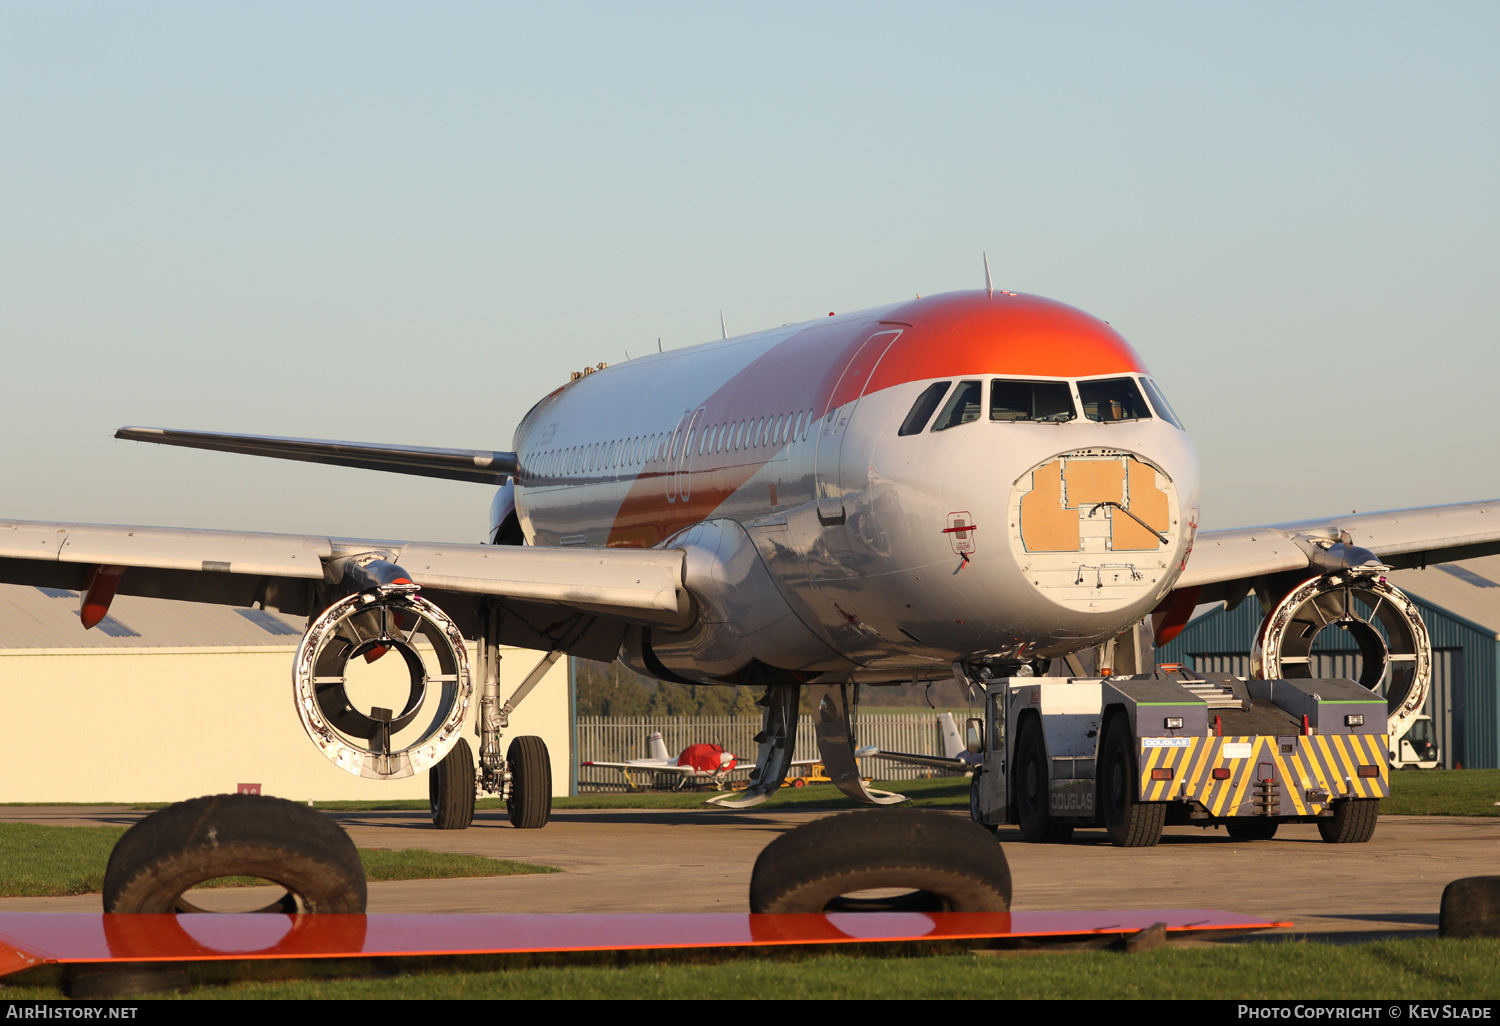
pixel 530 801
pixel 1131 822
pixel 1352 822
pixel 450 789
pixel 1251 829
pixel 1037 824
pixel 170 851
pixel 937 863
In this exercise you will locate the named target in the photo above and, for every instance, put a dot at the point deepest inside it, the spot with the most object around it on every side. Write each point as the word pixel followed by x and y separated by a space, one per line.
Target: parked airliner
pixel 970 484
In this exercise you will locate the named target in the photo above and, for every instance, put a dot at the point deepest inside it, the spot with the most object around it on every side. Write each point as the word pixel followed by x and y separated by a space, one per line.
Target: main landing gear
pixel 523 777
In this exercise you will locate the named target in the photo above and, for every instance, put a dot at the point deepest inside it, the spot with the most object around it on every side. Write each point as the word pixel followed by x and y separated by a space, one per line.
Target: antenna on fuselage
pixel 989 286
pixel 658 343
pixel 724 328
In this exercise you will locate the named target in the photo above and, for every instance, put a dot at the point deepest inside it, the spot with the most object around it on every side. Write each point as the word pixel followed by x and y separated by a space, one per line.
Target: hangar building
pixel 168 700
pixel 1460 604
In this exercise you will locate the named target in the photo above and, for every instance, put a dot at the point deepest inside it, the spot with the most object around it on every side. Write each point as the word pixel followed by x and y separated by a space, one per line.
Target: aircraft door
pixel 828 480
pixel 682 465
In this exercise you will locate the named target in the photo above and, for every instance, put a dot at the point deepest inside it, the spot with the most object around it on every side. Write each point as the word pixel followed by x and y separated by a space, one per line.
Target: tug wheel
pixel 1257 829
pixel 1352 822
pixel 1131 822
pixel 1037 824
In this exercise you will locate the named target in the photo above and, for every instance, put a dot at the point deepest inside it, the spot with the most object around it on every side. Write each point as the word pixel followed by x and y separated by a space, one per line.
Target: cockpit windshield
pixel 1031 400
pixel 1113 399
pixel 1163 408
pixel 964 406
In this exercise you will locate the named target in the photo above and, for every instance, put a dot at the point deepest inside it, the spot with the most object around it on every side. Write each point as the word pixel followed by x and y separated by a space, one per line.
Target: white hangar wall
pixel 122 720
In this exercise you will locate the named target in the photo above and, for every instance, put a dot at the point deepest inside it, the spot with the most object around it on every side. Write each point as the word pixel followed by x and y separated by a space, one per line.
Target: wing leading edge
pixel 1402 539
pixel 540 590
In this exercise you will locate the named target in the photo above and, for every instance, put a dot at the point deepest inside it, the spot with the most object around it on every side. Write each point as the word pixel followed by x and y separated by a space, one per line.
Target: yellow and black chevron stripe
pixel 1327 763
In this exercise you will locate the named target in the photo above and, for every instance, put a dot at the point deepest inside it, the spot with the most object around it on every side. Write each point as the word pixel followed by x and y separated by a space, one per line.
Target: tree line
pixel 613 689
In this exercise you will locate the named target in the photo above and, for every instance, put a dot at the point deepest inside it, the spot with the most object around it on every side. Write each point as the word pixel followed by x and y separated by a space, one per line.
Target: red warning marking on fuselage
pixel 960 532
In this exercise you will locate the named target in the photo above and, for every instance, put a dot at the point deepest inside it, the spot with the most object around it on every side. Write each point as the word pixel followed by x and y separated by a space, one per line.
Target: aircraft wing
pixel 544 592
pixel 1400 538
pixel 931 761
pixel 479 465
pixel 649 767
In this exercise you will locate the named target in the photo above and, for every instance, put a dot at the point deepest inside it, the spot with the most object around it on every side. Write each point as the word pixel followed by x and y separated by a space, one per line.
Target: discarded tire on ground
pixel 935 861
pixel 1470 908
pixel 170 851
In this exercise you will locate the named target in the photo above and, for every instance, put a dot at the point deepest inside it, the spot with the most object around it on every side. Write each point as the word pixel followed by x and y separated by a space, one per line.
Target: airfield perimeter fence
pixel 619 738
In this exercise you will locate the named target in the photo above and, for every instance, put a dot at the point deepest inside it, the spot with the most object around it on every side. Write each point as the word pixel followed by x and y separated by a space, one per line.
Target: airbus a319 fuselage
pixel 970 477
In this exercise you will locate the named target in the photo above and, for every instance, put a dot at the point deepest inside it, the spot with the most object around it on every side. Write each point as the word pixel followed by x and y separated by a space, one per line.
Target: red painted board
pixel 32 938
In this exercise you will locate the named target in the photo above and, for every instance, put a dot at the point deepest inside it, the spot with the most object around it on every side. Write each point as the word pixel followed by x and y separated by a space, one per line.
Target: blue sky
pixel 408 222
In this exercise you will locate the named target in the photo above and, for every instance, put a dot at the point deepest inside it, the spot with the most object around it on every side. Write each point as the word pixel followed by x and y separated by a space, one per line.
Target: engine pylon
pixel 1395 650
pixel 383 743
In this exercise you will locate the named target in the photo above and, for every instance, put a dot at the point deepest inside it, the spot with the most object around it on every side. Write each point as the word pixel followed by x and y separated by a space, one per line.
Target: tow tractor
pixel 1136 753
pixel 1418 747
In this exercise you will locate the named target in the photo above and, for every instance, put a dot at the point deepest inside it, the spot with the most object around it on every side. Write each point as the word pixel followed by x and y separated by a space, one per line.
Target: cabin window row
pixel 1106 400
pixel 664 446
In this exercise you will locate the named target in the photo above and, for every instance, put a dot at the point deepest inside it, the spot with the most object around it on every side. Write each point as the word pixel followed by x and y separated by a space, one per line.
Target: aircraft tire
pixel 1131 823
pixel 1037 824
pixel 530 801
pixel 947 863
pixel 171 850
pixel 993 828
pixel 1352 822
pixel 1251 829
pixel 450 789
pixel 1470 908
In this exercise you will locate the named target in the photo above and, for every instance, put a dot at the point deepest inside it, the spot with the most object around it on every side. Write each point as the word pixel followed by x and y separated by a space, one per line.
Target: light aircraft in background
pixel 967 485
pixel 698 763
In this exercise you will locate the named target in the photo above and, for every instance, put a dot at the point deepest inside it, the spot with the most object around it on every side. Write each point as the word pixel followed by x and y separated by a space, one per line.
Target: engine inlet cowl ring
pixel 1385 625
pixel 370 625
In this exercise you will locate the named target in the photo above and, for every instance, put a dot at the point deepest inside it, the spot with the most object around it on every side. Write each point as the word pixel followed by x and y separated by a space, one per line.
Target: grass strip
pixel 1444 793
pixel 940 792
pixel 415 864
pixel 1428 968
pixel 1413 793
pixel 45 861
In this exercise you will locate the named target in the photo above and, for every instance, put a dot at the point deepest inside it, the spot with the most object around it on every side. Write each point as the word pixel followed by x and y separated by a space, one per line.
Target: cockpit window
pixel 1031 400
pixel 1113 399
pixel 1163 408
pixel 965 405
pixel 921 410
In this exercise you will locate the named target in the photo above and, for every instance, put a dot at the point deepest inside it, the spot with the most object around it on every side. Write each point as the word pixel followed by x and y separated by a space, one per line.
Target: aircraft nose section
pixel 1096 530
